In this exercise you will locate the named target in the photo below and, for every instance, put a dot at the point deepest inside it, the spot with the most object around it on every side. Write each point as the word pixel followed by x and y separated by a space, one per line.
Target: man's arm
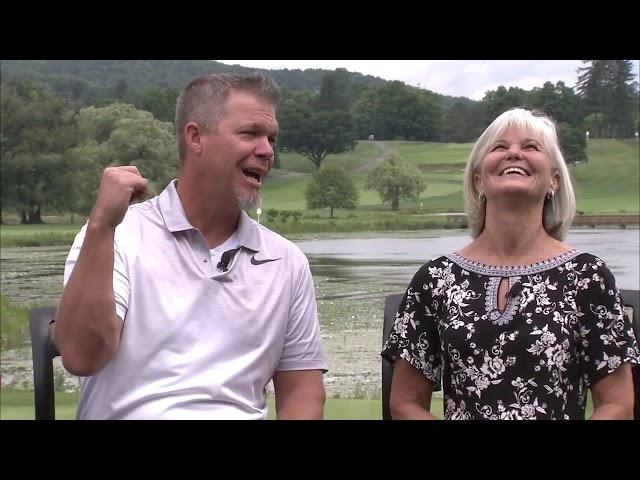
pixel 87 329
pixel 300 395
pixel 410 393
pixel 613 395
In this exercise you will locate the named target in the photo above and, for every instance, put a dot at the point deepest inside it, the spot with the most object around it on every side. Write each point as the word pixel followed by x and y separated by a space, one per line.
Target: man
pixel 155 318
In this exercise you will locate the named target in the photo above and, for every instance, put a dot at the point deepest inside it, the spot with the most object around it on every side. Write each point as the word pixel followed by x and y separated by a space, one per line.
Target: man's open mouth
pixel 253 175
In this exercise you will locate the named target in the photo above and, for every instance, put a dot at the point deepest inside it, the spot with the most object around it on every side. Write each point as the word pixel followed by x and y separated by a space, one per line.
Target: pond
pixel 351 276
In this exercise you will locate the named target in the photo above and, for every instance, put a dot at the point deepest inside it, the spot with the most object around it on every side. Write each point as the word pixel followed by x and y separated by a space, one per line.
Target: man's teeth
pixel 253 175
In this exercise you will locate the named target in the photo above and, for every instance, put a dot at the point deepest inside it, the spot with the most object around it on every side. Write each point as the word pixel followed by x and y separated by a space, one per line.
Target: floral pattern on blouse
pixel 561 331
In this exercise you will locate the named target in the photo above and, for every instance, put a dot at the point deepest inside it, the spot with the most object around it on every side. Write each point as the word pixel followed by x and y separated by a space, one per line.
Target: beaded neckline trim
pixel 509 271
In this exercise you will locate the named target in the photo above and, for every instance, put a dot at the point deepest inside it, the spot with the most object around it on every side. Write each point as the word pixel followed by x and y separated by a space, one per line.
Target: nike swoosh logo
pixel 260 262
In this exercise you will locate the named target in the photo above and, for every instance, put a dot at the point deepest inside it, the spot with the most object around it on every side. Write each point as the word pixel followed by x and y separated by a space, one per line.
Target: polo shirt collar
pixel 176 220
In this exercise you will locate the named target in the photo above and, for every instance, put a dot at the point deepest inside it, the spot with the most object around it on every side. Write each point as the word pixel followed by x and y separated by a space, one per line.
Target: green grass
pixel 18 405
pixel 14 327
pixel 610 181
pixel 355 158
pixel 448 156
pixel 48 234
pixel 363 152
pixel 285 193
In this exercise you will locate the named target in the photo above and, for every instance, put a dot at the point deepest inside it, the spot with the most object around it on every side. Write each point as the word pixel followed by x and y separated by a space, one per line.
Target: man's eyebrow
pixel 257 126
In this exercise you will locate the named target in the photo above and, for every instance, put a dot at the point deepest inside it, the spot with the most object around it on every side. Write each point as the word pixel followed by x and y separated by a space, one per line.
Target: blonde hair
pixel 558 212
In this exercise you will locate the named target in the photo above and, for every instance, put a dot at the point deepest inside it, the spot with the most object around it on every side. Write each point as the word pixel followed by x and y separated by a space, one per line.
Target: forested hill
pixel 88 81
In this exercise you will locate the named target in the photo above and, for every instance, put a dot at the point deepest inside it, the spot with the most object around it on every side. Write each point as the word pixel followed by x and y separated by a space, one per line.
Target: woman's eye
pixel 499 147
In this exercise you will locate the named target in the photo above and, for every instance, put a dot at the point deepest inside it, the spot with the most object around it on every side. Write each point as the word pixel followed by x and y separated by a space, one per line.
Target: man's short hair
pixel 203 101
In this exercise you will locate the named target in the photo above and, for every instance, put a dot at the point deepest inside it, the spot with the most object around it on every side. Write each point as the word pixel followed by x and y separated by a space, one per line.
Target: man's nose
pixel 264 148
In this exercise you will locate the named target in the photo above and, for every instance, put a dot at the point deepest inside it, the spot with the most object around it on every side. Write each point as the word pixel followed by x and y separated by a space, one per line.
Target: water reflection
pixel 397 259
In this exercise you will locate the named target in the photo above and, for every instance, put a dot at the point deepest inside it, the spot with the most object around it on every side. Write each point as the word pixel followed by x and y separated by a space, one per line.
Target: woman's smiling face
pixel 516 164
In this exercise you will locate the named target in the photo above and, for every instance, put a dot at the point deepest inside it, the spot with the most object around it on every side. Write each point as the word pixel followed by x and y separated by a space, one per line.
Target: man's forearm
pixel 87 329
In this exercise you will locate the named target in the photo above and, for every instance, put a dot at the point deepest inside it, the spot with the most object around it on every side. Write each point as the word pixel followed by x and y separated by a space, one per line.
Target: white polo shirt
pixel 197 342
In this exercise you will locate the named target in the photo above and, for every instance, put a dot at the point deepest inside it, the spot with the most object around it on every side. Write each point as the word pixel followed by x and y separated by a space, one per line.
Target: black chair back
pixel 631 301
pixel 391 305
pixel 43 352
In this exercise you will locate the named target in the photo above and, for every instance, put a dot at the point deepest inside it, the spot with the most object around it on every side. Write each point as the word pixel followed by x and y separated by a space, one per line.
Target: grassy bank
pixel 51 233
pixel 608 183
pixel 312 221
pixel 14 327
pixel 18 405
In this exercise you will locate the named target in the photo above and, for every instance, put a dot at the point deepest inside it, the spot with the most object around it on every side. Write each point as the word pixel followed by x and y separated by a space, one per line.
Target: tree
pixel 610 95
pixel 397 111
pixel 558 101
pixel 335 91
pixel 394 180
pixel 312 133
pixel 277 164
pixel 463 122
pixel 120 89
pixel 498 101
pixel 119 134
pixel 36 130
pixel 332 187
pixel 161 103
pixel 573 143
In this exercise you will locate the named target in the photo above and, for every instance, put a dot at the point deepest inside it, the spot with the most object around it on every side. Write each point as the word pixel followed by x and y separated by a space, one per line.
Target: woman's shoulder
pixel 442 261
pixel 591 274
pixel 436 267
pixel 590 260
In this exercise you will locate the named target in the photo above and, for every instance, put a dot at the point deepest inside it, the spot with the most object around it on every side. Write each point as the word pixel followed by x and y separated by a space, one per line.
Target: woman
pixel 516 325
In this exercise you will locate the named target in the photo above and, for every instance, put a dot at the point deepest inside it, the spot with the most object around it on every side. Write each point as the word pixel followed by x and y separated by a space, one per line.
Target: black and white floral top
pixel 561 331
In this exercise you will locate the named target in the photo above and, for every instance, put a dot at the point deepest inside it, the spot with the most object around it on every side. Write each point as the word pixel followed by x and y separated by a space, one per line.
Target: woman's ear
pixel 477 183
pixel 555 180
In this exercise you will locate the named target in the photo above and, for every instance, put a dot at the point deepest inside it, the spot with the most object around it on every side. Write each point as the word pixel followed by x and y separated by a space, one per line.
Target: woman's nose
pixel 514 151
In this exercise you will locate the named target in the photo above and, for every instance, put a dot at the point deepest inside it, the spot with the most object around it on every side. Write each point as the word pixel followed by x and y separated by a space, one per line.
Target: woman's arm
pixel 410 393
pixel 613 395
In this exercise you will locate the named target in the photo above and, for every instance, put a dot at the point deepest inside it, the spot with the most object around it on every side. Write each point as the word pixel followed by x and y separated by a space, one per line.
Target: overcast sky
pixel 458 78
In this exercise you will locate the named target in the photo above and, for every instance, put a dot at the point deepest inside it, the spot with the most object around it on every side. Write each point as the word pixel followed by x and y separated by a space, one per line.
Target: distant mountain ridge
pixel 85 79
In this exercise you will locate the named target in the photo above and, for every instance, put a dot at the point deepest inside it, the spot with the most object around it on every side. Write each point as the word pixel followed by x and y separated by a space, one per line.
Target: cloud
pixel 468 78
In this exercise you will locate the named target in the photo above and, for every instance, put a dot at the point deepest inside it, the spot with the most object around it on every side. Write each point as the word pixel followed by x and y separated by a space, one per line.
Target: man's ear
pixel 193 137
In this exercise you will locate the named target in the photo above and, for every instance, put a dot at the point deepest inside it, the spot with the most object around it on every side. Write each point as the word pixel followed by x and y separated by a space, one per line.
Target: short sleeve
pixel 302 348
pixel 414 335
pixel 606 335
pixel 120 277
